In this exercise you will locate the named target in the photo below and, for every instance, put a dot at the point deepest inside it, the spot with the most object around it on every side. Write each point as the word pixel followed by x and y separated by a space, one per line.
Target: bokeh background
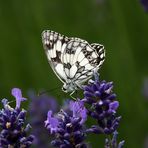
pixel 121 26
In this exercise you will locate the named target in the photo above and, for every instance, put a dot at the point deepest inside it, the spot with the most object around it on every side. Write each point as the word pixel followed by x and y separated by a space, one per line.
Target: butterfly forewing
pixel 54 45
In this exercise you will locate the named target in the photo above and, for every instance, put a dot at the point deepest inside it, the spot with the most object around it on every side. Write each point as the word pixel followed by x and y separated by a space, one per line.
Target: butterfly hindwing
pixel 89 63
pixel 95 54
pixel 80 59
pixel 100 52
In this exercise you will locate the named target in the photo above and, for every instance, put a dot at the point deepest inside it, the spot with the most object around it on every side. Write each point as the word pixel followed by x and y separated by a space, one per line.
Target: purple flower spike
pixel 51 123
pixel 13 127
pixel 102 106
pixel 66 127
pixel 16 92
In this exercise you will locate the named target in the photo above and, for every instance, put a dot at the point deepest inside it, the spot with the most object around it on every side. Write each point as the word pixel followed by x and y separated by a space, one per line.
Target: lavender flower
pixel 144 4
pixel 102 106
pixel 13 132
pixel 38 109
pixel 67 126
pixel 112 143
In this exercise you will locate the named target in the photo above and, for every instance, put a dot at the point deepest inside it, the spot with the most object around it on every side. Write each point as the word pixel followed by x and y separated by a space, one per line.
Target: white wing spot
pixel 73 71
pixel 102 55
pixel 60 70
pixel 75 44
pixel 46 34
pixel 76 55
pixel 58 45
pixel 88 48
pixel 94 55
pixel 84 62
pixel 88 67
pixel 51 37
pixel 69 45
pixel 67 57
pixel 80 57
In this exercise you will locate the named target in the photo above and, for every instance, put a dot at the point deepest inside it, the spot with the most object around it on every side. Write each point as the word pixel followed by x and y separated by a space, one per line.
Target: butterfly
pixel 72 59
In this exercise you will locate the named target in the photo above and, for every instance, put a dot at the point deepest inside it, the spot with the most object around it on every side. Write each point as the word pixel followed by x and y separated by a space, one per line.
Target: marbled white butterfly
pixel 72 59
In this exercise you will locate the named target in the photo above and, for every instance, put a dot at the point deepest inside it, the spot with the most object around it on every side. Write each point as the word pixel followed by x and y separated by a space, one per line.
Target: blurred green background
pixel 121 26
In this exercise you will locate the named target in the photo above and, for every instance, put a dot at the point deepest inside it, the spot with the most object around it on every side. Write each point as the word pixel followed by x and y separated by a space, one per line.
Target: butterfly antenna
pixel 44 92
pixel 11 101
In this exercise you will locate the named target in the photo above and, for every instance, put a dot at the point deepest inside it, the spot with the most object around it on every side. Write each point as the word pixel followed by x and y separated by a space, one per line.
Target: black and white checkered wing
pixel 54 45
pixel 99 49
pixel 81 59
pixel 72 59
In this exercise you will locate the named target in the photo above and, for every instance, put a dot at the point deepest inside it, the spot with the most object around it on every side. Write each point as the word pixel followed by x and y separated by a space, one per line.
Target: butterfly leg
pixel 79 86
pixel 71 95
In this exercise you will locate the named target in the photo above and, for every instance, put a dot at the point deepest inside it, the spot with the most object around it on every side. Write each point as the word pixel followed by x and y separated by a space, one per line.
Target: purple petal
pixel 84 116
pixel 78 110
pixel 16 92
pixel 114 105
pixel 51 123
pixel 4 102
pixel 87 88
pixel 88 94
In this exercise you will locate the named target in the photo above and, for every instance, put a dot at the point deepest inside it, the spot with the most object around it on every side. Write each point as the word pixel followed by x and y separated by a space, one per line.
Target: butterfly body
pixel 72 59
